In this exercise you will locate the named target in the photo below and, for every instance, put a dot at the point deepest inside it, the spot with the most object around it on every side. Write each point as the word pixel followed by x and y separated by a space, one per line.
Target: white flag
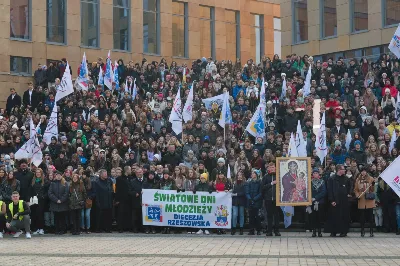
pixel 320 142
pixel 263 100
pixel 228 174
pixel 300 142
pixel 348 140
pixel 100 80
pixel 65 88
pixel 307 83
pixel 187 112
pixel 134 91
pixel 31 149
pixel 392 141
pixel 292 152
pixel 37 155
pixel 284 87
pixel 394 45
pixel 52 127
pixel 391 175
pixel 176 114
pixel 208 102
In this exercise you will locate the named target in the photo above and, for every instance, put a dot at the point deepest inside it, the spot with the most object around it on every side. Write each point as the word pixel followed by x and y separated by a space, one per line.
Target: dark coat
pixel 151 184
pixel 40 77
pixel 11 103
pixel 122 189
pixel 172 159
pixel 203 187
pixel 6 190
pixel 269 191
pixel 77 197
pixel 103 191
pixel 318 190
pixel 32 101
pixel 58 192
pixel 25 178
pixel 135 191
pixel 253 194
pixel 240 191
pixel 52 73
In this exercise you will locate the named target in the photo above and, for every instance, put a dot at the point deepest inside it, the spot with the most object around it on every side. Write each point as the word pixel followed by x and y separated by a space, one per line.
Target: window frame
pixel 25 74
pixel 65 25
pixel 384 5
pixel 262 37
pixel 322 21
pixel 158 29
pixel 185 30
pixel 98 23
pixel 29 27
pixel 352 17
pixel 237 31
pixel 294 38
pixel 129 48
pixel 212 30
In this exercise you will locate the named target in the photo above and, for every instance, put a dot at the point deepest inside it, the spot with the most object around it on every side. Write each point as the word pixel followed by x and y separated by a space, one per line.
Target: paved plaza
pixel 182 249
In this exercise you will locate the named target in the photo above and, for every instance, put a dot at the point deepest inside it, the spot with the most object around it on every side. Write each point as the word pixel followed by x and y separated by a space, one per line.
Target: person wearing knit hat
pixel 254 200
pixel 316 210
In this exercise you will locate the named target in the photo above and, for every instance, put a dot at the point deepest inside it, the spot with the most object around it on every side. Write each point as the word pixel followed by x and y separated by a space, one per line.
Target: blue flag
pixel 116 76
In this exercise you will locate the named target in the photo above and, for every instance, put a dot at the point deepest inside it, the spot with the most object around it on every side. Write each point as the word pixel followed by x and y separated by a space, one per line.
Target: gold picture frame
pixel 293 189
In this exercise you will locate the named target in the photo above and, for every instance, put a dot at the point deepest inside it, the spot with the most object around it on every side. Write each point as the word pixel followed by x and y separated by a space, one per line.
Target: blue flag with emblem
pixel 116 76
pixel 226 115
pixel 256 126
pixel 108 77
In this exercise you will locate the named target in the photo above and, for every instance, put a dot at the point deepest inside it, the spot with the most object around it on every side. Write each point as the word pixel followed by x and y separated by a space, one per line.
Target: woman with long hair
pixel 8 186
pixel 238 202
pixel 77 199
pixel 58 194
pixel 85 213
pixel 38 189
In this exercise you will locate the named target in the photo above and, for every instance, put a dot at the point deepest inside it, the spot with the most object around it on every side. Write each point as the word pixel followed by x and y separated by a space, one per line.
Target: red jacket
pixel 393 90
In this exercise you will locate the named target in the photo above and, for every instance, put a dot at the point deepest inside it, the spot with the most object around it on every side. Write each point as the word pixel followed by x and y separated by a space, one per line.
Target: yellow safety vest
pixel 20 209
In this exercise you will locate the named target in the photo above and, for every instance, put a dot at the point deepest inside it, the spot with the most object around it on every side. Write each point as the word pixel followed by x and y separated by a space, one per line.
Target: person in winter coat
pixel 167 183
pixel 77 199
pixel 316 210
pixel 122 199
pixel 151 183
pixel 104 193
pixel 269 193
pixel 254 202
pixel 365 184
pixel 238 203
pixel 135 193
pixel 8 186
pixel 369 129
pixel 85 213
pixel 38 189
pixel 25 178
pixel 58 195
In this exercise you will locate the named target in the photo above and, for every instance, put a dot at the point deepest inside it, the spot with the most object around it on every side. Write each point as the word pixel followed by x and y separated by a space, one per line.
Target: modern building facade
pixel 36 32
pixel 338 28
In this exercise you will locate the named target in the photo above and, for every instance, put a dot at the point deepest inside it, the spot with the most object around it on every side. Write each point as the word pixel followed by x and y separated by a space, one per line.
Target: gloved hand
pixel 194 191
pixel 182 190
pixel 210 191
pixel 178 190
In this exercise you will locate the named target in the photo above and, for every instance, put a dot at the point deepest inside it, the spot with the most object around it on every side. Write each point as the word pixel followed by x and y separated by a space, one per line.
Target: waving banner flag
pixel 109 75
pixel 228 174
pixel 116 76
pixel 392 143
pixel 256 126
pixel 218 100
pixel 348 140
pixel 188 108
pixel 65 88
pixel 392 177
pixel 307 83
pixel 31 149
pixel 394 45
pixel 176 114
pixel 301 144
pixel 292 152
pixel 52 127
pixel 263 99
pixel 100 80
pixel 82 81
pixel 284 87
pixel 226 115
pixel 320 142
pixel 134 90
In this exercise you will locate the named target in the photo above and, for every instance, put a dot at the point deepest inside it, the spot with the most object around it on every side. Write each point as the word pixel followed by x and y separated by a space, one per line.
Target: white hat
pixel 157 156
pixel 15 126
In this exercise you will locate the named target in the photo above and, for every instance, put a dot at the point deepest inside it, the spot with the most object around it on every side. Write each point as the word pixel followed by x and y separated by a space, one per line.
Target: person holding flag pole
pixel 226 115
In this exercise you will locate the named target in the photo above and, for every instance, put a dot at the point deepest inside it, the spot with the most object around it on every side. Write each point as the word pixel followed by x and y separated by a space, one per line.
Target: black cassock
pixel 339 216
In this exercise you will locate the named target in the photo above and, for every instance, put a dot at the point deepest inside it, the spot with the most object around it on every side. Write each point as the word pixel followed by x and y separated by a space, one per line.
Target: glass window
pixel 277 37
pixel 360 15
pixel 121 24
pixel 179 29
pixel 392 12
pixel 300 21
pixel 20 19
pixel 90 23
pixel 232 19
pixel 329 18
pixel 20 65
pixel 55 12
pixel 151 27
pixel 257 37
pixel 206 31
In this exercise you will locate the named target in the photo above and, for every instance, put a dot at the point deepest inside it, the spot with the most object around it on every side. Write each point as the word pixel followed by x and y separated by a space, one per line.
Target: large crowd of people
pixel 112 146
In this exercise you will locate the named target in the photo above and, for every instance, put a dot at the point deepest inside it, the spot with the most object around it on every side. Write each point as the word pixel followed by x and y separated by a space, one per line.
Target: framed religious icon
pixel 293 181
